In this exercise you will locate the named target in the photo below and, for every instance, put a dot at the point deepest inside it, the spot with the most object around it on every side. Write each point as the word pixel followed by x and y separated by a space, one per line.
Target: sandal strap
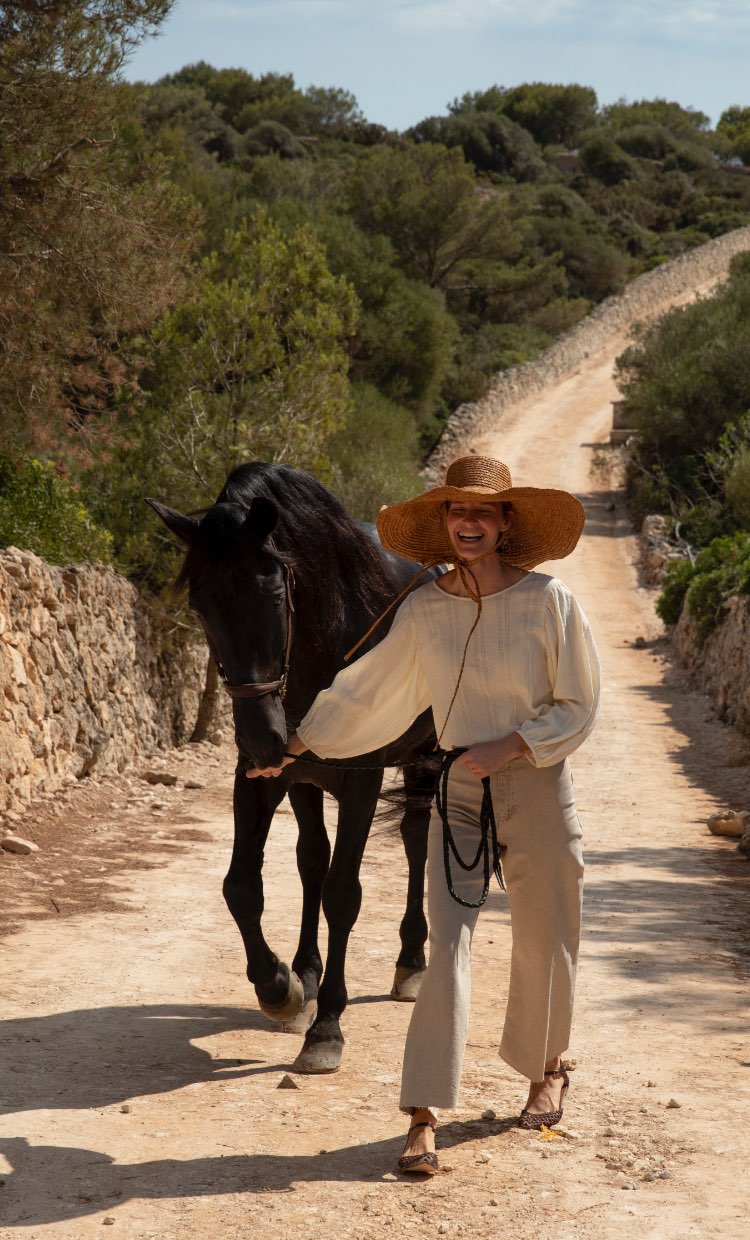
pixel 423 1123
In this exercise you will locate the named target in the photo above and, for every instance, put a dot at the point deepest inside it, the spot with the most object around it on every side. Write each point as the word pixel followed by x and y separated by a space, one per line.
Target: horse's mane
pixel 338 568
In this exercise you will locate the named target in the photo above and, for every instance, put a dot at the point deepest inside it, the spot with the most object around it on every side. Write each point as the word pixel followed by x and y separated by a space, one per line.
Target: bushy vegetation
pixel 260 269
pixel 43 513
pixel 686 384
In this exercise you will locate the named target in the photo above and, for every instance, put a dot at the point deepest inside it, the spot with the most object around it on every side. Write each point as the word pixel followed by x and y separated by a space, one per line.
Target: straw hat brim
pixel 547 524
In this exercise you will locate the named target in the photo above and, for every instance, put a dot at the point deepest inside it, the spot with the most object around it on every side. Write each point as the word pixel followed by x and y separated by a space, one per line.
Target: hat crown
pixel 478 471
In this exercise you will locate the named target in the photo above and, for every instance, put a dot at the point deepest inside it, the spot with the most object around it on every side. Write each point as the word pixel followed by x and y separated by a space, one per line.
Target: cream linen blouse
pixel 531 667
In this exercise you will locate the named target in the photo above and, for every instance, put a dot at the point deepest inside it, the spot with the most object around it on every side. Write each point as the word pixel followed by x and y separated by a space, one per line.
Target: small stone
pixel 494 1201
pixel 389 1175
pixel 159 777
pixel 639 642
pixel 192 784
pixel 628 1184
pixel 727 822
pixel 108 1221
pixel 443 1228
pixel 14 844
pixel 287 1082
pixel 673 1105
pixel 609 506
pixel 485 1156
pixel 649 1177
pixel 665 1175
pixel 650 1084
pixel 489 1114
pixel 125 1109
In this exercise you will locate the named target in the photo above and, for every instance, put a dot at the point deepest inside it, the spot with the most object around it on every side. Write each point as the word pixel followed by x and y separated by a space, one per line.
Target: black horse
pixel 284 583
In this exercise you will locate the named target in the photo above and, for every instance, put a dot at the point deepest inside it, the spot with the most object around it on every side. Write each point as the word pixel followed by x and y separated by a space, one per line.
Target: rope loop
pixel 487 836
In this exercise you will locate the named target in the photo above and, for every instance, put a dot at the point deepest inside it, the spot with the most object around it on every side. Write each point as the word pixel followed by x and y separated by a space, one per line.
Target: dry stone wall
pixel 720 666
pixel 643 298
pixel 91 678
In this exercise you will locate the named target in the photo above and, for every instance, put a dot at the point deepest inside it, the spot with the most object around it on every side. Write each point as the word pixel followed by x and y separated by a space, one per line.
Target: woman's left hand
pixel 491 756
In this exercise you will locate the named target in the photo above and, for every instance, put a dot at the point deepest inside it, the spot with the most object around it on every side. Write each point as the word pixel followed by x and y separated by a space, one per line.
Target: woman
pixel 505 658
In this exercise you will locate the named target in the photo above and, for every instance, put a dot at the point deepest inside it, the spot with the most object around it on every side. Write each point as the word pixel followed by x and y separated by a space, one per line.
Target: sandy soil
pixel 140 1082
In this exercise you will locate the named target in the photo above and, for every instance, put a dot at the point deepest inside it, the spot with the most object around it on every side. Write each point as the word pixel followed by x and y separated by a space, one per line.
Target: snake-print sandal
pixel 532 1119
pixel 427 1163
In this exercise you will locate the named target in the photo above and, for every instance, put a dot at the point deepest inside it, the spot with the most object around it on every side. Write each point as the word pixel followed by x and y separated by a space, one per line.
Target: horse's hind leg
pixel 280 993
pixel 410 966
pixel 342 897
pixel 313 858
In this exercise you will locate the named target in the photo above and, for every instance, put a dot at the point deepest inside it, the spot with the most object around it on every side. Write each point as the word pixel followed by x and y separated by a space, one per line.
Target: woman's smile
pixel 474 528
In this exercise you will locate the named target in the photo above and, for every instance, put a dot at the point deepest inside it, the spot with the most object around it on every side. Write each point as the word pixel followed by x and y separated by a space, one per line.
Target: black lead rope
pixel 487 824
pixel 487 835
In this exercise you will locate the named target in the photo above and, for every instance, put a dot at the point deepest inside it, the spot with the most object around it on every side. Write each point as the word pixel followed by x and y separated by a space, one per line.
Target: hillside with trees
pixel 220 265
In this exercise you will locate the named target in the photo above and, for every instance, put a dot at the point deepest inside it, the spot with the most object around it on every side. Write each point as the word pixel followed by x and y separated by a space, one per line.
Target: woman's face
pixel 474 527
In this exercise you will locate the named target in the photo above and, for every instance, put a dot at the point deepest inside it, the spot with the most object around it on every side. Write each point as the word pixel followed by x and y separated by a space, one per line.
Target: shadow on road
pixel 96 1183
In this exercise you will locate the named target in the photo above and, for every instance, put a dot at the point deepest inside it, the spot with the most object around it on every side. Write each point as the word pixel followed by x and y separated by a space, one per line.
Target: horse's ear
pixel 261 518
pixel 184 527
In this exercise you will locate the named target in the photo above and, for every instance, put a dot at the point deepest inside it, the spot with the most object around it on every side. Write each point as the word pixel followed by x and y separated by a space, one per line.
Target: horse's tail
pixel 411 791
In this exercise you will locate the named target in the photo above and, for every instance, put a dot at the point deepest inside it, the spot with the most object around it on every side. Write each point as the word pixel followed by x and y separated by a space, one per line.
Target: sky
pixel 407 59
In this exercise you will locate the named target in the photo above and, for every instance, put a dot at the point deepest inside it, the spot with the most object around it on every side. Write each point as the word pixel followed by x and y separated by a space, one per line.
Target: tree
pixel 88 252
pixel 492 143
pixel 734 123
pixel 552 114
pixel 424 198
pixel 254 366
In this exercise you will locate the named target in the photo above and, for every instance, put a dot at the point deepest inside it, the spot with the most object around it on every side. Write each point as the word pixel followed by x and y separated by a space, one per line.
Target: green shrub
pixel 673 590
pixel 737 488
pixel 374 457
pixel 722 569
pixel 43 513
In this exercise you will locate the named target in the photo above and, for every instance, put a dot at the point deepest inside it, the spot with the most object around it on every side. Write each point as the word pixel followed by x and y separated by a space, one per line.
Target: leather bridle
pixel 260 689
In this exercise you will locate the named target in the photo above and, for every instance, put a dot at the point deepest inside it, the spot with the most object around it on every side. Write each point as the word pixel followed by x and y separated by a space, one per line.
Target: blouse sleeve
pixel 556 729
pixel 373 701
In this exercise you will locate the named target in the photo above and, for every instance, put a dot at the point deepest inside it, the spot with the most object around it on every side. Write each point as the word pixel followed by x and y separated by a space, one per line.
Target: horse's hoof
pixel 304 1018
pixel 290 1007
pixel 319 1057
pixel 406 983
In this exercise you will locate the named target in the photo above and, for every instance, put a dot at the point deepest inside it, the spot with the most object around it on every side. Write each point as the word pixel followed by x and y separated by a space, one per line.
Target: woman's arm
pixel 370 703
pixel 558 728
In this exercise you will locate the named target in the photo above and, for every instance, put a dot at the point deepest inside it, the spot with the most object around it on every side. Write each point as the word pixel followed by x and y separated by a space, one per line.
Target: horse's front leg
pixel 342 897
pixel 313 858
pixel 280 993
pixel 419 786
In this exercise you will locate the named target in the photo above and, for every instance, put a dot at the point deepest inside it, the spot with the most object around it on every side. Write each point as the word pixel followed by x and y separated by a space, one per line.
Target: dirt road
pixel 139 1087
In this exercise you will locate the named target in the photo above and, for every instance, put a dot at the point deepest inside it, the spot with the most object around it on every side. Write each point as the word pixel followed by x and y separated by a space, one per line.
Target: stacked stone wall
pixel 720 666
pixel 644 297
pixel 91 677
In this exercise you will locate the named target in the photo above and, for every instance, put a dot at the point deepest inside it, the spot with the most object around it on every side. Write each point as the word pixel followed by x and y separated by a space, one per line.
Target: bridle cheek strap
pixel 256 689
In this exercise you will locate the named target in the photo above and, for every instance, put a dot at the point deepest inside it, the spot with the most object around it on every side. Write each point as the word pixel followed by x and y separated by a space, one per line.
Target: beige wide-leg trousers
pixel 543 869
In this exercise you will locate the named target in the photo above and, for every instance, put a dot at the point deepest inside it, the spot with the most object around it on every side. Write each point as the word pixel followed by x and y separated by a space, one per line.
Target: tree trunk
pixel 208 704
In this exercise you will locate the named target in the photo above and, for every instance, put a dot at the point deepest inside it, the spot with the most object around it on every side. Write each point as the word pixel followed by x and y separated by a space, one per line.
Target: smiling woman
pixel 504 657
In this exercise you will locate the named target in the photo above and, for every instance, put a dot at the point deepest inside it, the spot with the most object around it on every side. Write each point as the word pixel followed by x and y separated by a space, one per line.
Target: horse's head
pixel 240 589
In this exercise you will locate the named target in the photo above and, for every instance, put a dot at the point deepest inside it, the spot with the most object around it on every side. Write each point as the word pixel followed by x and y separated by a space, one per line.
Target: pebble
pixel 629 1184
pixel 159 777
pixel 494 1201
pixel 673 1105
pixel 125 1109
pixel 287 1082
pixel 489 1114
pixel 14 844
pixel 192 783
pixel 650 1084
pixel 443 1228
pixel 485 1156
pixel 665 1175
pixel 108 1221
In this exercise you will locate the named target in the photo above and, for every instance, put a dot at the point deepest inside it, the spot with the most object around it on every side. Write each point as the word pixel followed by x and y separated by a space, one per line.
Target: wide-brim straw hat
pixel 547 523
